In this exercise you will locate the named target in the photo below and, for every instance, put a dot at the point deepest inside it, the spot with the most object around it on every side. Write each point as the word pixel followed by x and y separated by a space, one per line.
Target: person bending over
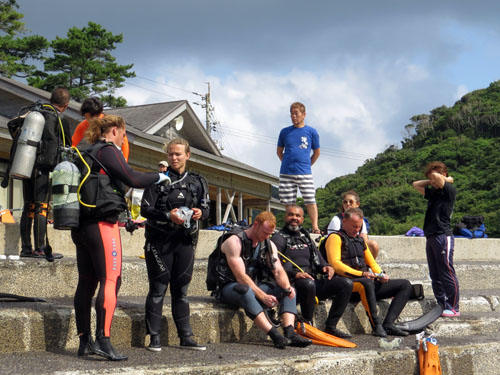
pixel 250 276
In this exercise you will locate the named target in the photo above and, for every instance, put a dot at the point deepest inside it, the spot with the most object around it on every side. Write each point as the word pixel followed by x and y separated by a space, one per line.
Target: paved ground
pixel 65 362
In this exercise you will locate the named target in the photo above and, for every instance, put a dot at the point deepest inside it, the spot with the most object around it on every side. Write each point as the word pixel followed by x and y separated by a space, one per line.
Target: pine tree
pixel 83 63
pixel 16 51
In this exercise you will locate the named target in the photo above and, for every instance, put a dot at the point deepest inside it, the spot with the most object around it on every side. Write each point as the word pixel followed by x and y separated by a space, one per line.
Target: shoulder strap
pixel 92 152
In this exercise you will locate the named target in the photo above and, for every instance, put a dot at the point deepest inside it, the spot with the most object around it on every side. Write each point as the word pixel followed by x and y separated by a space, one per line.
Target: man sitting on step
pixel 303 263
pixel 251 277
pixel 347 252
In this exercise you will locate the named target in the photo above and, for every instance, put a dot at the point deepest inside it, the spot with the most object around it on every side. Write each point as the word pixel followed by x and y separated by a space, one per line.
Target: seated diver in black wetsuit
pixel 350 257
pixel 294 243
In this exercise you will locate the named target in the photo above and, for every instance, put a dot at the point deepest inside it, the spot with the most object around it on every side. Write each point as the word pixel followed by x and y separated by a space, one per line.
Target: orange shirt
pixel 80 133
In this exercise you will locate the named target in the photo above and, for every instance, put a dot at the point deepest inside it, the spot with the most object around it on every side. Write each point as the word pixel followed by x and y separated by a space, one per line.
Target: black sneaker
pixel 379 331
pixel 392 330
pixel 337 333
pixel 189 343
pixel 154 344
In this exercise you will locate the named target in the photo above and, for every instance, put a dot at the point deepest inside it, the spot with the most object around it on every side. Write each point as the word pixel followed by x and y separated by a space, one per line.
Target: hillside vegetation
pixel 465 137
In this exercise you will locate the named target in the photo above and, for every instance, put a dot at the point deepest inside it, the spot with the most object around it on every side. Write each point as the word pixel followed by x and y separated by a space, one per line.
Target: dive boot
pixel 392 330
pixel 104 348
pixel 189 343
pixel 154 343
pixel 295 339
pixel 279 340
pixel 86 345
pixel 379 331
pixel 337 333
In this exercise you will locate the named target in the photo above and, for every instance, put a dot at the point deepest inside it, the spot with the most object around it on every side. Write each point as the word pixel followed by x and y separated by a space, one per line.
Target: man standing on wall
pixel 295 143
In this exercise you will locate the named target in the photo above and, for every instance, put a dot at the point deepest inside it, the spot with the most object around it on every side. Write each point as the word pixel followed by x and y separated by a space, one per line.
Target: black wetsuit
pixel 350 257
pixel 99 250
pixel 303 252
pixel 169 248
pixel 36 194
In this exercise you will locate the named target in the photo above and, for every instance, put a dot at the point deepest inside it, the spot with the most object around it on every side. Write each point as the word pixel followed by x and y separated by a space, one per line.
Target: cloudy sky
pixel 361 67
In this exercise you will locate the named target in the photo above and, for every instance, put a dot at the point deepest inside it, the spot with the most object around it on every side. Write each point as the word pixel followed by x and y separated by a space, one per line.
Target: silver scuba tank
pixel 27 144
pixel 65 205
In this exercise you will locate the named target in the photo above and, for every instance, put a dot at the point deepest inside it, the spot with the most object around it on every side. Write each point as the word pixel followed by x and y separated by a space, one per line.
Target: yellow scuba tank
pixel 65 205
pixel 27 143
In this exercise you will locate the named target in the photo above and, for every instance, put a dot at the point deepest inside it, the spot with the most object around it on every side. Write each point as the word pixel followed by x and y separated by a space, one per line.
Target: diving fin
pixel 319 337
pixel 421 323
pixel 6 297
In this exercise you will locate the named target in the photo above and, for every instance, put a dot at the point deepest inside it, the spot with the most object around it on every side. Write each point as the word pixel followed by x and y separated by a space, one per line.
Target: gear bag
pixel 470 227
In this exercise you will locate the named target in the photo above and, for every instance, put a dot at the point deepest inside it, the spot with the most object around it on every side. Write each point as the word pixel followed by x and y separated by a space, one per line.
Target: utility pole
pixel 208 108
pixel 211 122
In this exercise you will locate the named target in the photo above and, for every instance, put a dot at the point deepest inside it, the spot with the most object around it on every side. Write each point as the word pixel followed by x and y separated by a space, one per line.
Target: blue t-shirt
pixel 298 143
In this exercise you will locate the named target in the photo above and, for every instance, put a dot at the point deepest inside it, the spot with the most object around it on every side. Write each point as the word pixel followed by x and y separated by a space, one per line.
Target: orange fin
pixel 322 338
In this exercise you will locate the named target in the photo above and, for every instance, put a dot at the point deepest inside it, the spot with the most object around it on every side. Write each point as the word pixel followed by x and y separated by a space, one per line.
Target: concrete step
pixel 391 247
pixel 474 357
pixel 50 326
pixel 37 277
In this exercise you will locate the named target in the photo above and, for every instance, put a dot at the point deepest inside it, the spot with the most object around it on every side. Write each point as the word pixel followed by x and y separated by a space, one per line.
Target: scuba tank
pixel 27 143
pixel 65 205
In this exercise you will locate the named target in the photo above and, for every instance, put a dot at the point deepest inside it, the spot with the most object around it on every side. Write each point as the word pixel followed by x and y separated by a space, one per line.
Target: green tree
pixel 466 137
pixel 83 63
pixel 15 51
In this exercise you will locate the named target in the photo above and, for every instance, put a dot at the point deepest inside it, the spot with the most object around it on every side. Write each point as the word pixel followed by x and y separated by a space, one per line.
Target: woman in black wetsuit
pixel 169 248
pixel 97 239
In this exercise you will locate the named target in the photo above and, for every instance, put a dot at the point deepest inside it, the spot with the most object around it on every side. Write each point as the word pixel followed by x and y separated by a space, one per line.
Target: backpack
pixel 470 227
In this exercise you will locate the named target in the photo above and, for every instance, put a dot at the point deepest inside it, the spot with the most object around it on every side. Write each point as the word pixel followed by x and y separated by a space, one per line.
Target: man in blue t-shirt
pixel 295 143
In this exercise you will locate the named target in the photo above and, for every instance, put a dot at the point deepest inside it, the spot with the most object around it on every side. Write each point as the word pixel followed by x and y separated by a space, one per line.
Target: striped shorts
pixel 288 188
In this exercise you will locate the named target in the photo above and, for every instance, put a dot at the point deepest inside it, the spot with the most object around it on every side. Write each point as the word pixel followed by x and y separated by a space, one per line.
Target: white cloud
pixel 357 110
pixel 461 91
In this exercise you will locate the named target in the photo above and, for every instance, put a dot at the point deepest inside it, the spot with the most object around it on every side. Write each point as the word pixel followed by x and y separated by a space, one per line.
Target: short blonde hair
pixel 177 141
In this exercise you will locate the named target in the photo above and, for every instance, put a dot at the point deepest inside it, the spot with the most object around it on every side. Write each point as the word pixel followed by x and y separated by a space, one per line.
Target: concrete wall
pixel 392 247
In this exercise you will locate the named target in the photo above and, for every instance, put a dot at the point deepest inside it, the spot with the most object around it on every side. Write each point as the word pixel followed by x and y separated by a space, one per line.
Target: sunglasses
pixel 350 201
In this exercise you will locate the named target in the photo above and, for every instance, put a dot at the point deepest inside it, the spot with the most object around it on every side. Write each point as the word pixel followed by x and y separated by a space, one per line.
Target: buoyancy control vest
pixel 303 239
pixel 352 252
pixel 259 261
pixel 187 187
pixel 53 136
pixel 101 197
